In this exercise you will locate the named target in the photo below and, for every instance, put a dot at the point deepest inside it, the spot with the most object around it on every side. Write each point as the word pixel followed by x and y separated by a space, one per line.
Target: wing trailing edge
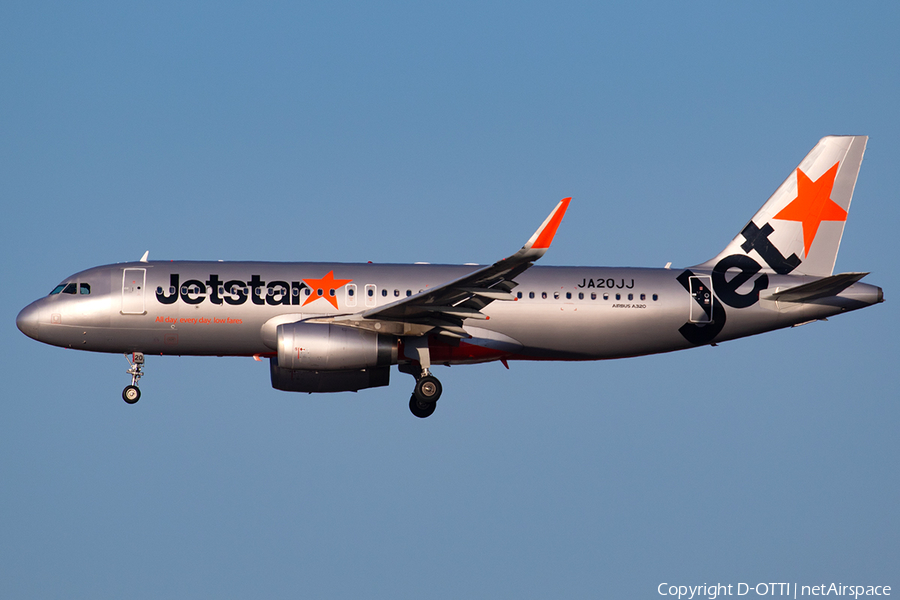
pixel 443 308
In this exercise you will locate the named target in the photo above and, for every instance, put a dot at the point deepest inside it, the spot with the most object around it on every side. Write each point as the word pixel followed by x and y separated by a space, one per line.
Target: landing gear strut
pixel 428 389
pixel 132 393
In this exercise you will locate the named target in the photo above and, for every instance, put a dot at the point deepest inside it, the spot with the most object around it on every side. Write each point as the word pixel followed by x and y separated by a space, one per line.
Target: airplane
pixel 338 327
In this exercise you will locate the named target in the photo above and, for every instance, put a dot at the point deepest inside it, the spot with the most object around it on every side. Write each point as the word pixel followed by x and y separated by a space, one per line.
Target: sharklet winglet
pixel 543 237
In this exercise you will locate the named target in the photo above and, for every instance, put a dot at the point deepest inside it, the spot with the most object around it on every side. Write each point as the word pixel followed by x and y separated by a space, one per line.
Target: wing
pixel 443 308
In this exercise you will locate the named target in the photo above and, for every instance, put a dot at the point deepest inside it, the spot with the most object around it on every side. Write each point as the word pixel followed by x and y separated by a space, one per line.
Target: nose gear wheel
pixel 131 394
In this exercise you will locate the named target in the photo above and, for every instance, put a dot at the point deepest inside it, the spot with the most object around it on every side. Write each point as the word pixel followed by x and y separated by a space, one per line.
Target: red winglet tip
pixel 545 238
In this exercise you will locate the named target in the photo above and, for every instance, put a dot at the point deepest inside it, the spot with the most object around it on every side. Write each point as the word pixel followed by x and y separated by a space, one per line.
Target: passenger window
pixel 606 296
pixel 331 292
pixel 643 296
pixel 655 297
pixel 618 296
pixel 544 295
pixel 370 292
pixel 531 295
pixel 631 296
pixel 58 289
pixel 384 293
pixel 70 289
pixel 568 295
pixel 408 293
pixel 556 295
pixel 594 295
pixel 308 291
pixel 396 293
pixel 581 295
pixel 350 291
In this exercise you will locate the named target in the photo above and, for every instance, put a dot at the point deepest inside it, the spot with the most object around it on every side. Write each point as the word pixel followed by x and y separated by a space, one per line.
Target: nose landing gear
pixel 132 393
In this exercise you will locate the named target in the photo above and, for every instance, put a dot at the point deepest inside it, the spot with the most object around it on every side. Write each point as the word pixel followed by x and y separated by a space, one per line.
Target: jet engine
pixel 320 357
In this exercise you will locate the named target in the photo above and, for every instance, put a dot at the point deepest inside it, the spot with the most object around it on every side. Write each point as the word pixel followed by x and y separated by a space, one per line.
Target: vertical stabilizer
pixel 798 230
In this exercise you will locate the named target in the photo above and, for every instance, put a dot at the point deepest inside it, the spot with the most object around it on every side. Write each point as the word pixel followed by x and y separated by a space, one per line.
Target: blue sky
pixel 442 132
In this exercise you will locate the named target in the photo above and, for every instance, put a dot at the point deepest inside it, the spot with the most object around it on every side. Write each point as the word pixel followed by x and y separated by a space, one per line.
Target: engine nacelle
pixel 326 347
pixel 299 380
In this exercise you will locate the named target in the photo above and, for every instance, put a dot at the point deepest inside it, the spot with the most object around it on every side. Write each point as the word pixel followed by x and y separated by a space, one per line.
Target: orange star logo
pixel 325 288
pixel 813 205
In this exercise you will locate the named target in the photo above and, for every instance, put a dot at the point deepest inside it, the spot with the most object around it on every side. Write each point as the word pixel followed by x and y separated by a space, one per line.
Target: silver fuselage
pixel 560 313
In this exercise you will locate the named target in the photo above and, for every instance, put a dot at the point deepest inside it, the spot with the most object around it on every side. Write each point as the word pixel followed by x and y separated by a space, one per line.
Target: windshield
pixel 71 288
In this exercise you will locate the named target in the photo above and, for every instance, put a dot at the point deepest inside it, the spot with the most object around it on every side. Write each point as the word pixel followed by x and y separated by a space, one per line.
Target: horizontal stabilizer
pixel 822 288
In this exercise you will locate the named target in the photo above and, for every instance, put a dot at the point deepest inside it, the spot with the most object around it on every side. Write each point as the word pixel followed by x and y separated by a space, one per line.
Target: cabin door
pixel 133 291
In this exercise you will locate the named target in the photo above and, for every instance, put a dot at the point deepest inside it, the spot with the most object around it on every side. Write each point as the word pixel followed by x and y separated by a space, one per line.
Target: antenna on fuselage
pixel 144 257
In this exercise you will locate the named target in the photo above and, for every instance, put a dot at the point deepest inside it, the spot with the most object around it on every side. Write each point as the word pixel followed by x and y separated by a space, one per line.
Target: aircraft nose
pixel 27 321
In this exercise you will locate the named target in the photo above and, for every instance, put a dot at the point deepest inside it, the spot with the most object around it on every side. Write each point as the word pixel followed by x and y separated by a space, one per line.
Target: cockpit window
pixel 71 288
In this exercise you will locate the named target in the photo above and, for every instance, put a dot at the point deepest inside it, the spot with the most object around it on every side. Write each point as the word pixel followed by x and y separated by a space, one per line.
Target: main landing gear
pixel 428 389
pixel 132 393
pixel 425 396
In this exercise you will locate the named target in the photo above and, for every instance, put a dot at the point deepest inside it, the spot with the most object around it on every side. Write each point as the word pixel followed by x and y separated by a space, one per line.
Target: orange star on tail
pixel 325 288
pixel 813 205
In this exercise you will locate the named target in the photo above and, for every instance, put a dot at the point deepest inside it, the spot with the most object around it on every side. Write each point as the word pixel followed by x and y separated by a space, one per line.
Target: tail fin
pixel 799 228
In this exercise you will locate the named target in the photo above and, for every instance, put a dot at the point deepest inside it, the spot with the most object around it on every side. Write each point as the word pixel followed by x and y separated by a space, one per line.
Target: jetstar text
pixel 233 291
